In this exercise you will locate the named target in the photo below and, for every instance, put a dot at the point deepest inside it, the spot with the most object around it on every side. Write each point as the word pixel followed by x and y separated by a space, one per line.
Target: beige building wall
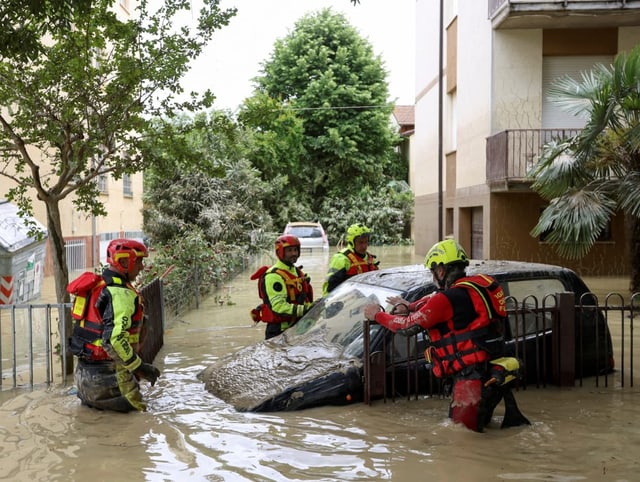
pixel 517 80
pixel 473 105
pixel 124 211
pixel 423 168
pixel 124 216
pixel 628 37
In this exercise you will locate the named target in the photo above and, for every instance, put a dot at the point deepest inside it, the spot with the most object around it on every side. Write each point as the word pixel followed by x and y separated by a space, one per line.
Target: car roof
pixel 303 223
pixel 407 277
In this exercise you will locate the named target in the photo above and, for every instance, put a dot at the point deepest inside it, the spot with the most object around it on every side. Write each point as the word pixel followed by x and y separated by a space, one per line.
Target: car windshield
pixel 340 317
pixel 305 231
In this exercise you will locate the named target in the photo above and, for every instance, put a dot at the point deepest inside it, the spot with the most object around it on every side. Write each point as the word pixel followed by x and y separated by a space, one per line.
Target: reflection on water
pixel 577 434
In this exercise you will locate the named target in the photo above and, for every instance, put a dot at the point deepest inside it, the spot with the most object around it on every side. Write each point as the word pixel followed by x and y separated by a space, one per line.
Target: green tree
pixel 25 22
pixel 203 204
pixel 388 211
pixel 326 76
pixel 277 147
pixel 587 178
pixel 200 179
pixel 72 109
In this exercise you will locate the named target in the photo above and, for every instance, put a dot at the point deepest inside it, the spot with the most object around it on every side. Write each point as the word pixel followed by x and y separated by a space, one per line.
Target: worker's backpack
pixel 81 288
pixel 256 313
pixel 495 302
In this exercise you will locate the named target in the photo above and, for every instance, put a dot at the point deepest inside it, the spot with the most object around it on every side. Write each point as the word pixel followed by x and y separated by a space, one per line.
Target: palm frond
pixel 629 194
pixel 588 177
pixel 574 221
pixel 558 170
pixel 575 96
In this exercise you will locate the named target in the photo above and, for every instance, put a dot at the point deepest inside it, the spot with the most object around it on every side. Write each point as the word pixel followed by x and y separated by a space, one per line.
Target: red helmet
pixel 285 241
pixel 125 248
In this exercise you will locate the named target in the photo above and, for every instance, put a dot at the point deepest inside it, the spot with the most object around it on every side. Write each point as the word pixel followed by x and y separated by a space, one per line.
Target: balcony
pixel 512 153
pixel 507 14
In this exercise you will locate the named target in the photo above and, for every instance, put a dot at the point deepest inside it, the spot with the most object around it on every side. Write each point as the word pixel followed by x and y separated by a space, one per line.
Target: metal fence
pixel 32 339
pixel 557 340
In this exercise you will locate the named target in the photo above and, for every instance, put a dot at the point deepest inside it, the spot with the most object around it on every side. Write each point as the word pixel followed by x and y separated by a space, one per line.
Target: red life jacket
pixel 464 343
pixel 299 291
pixel 86 338
pixel 360 264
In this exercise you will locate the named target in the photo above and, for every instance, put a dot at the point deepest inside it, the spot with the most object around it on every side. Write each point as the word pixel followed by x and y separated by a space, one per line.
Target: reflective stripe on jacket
pixel 287 306
pixel 345 264
pixel 360 264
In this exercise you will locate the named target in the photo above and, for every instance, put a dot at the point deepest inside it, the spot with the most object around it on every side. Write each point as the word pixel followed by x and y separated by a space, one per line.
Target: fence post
pixel 366 359
pixel 196 283
pixel 563 344
pixel 65 328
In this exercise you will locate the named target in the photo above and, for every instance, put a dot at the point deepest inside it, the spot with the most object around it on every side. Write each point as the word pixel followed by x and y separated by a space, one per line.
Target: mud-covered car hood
pixel 277 375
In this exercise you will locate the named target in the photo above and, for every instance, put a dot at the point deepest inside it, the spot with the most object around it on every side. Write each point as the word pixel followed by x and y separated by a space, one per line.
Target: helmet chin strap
pixel 450 274
pixel 120 269
pixel 453 273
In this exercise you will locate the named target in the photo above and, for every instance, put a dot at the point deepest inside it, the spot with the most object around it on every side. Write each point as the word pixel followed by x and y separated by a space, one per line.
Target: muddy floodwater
pixel 577 434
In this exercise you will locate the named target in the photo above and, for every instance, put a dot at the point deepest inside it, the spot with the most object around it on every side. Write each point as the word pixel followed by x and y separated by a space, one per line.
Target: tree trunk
pixel 60 275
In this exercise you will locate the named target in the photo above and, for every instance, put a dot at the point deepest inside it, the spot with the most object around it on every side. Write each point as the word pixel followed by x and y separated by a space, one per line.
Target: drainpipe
pixel 440 169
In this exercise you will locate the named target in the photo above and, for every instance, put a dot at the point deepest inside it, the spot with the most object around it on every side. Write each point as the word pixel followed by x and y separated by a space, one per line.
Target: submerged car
pixel 319 360
pixel 311 234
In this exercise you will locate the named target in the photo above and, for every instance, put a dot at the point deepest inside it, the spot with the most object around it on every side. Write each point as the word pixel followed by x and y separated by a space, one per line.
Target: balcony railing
pixel 512 153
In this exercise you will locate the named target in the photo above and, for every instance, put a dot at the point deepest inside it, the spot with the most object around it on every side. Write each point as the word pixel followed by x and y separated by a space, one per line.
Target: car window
pixel 539 288
pixel 527 293
pixel 340 317
pixel 305 232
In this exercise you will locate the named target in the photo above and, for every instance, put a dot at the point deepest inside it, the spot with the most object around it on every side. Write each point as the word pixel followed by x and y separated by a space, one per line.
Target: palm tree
pixel 589 177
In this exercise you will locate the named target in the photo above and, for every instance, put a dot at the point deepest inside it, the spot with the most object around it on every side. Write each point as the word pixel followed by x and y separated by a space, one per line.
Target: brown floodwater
pixel 577 434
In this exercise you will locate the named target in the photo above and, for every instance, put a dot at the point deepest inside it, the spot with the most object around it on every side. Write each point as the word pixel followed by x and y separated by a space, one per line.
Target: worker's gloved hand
pixel 148 372
pixel 307 307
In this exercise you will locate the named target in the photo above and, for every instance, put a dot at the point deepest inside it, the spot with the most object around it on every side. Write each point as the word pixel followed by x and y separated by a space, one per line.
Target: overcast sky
pixel 234 56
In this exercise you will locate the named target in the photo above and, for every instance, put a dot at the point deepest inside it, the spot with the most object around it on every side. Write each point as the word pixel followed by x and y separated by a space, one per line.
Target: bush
pixel 191 266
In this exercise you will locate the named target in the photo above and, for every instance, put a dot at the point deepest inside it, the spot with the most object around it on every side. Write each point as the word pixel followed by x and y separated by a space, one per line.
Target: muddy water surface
pixel 578 434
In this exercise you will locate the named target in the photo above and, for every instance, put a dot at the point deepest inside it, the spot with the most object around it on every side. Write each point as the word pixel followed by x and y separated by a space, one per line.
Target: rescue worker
pixel 352 260
pixel 109 313
pixel 462 320
pixel 284 288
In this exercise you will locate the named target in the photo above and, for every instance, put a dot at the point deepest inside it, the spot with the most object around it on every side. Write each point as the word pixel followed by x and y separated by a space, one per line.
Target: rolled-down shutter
pixel 553 117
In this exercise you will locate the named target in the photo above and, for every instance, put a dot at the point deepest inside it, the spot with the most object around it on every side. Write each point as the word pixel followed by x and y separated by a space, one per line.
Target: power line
pixel 358 107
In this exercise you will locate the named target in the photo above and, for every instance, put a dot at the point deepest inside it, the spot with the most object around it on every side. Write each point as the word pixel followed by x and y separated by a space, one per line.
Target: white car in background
pixel 310 234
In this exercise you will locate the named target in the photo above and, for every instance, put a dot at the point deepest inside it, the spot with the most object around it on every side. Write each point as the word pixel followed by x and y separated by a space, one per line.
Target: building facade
pixel 476 138
pixel 86 237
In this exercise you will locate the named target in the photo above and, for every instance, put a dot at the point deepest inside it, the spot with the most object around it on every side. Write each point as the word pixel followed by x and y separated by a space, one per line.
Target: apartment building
pixel 475 140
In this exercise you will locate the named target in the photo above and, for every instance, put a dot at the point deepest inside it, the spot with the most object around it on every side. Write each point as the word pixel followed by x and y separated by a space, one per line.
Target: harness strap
pixel 454 339
pixel 473 286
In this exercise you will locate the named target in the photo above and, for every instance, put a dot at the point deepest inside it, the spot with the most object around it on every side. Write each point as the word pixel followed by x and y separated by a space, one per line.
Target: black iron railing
pixel 548 336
